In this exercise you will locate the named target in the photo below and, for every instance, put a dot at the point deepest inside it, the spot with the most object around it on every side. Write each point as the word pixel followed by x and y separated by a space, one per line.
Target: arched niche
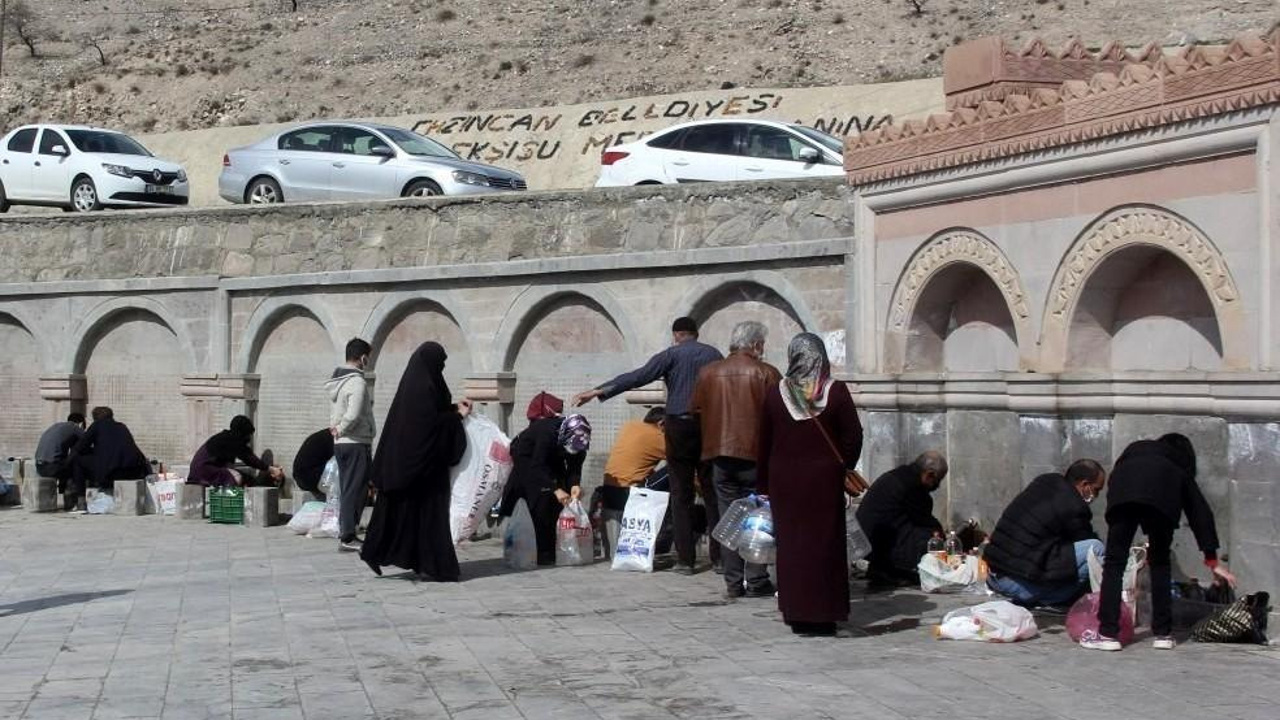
pixel 133 362
pixel 568 343
pixel 961 323
pixel 410 325
pixel 19 388
pixel 960 306
pixel 1135 282
pixel 723 307
pixel 1144 309
pixel 294 358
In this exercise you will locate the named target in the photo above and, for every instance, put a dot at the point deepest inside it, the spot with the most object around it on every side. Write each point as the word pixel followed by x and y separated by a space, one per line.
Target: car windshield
pixel 97 141
pixel 831 142
pixel 416 144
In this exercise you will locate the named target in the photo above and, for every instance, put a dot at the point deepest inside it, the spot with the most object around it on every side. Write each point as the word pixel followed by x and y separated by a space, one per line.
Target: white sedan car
pixel 718 150
pixel 84 168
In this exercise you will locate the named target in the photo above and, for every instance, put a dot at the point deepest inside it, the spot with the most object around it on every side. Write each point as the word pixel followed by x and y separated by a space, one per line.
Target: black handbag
pixel 1243 621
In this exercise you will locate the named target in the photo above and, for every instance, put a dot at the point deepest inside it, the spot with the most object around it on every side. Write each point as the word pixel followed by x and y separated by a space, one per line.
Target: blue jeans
pixel 1023 592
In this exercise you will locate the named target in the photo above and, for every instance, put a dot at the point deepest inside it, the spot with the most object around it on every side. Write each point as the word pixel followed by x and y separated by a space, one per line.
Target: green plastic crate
pixel 226 505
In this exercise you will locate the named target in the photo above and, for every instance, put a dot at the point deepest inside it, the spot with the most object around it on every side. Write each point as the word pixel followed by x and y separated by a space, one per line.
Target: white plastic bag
pixel 641 521
pixel 307 517
pixel 575 544
pixel 856 542
pixel 102 504
pixel 996 621
pixel 479 478
pixel 327 526
pixel 162 493
pixel 329 478
pixel 938 576
pixel 519 545
pixel 1129 585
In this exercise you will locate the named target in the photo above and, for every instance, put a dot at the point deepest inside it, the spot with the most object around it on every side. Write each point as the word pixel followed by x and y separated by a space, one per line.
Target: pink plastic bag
pixel 1084 616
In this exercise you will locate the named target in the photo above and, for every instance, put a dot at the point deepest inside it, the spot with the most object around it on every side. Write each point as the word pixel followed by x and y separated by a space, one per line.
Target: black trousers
pixel 544 510
pixel 1122 524
pixel 734 479
pixel 63 471
pixel 684 461
pixel 355 460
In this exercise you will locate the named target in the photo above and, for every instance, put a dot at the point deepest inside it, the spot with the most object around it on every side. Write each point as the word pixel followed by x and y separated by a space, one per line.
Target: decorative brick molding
pixel 987 69
pixel 1194 82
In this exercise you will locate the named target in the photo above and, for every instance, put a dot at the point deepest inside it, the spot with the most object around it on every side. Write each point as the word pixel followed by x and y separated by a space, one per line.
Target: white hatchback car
pixel 84 168
pixel 717 150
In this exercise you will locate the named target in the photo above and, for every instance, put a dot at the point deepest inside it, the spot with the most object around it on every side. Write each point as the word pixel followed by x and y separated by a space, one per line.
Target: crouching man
pixel 1038 554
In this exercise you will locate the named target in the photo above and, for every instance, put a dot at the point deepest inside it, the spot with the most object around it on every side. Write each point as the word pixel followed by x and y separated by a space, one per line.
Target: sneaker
pixel 352 545
pixel 682 569
pixel 733 592
pixel 1091 640
pixel 762 591
pixel 1164 642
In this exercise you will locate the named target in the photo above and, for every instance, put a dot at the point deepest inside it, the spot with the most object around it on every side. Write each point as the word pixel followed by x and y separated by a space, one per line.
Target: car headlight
pixel 120 170
pixel 470 178
pixel 182 175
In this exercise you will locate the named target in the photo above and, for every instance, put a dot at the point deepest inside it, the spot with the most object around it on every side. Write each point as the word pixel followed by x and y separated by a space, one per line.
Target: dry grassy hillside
pixel 172 64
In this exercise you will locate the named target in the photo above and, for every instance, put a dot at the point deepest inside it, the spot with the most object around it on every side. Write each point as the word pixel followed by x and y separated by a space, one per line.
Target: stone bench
pixel 39 494
pixel 131 497
pixel 261 506
pixel 189 505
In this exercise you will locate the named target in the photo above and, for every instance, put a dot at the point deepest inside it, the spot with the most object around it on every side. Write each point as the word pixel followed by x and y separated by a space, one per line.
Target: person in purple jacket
pixel 214 463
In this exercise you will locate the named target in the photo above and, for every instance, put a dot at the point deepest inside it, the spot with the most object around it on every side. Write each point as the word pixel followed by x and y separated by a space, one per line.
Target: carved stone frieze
pixel 962 246
pixel 1133 226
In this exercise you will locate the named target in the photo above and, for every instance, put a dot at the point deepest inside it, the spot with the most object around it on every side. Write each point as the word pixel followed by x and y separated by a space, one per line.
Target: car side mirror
pixel 809 155
pixel 382 151
pixel 60 150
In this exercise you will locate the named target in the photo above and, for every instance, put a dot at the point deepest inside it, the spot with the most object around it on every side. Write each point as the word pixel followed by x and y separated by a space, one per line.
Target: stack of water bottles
pixel 747 529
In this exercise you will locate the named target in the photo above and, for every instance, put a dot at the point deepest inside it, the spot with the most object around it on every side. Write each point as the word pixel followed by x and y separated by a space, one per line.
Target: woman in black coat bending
pixel 547 474
pixel 421 439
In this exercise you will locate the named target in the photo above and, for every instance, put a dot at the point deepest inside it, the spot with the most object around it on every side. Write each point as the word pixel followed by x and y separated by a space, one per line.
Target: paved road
pixel 111 618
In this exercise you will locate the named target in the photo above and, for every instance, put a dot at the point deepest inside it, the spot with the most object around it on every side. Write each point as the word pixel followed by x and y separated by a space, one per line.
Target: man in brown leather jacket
pixel 729 396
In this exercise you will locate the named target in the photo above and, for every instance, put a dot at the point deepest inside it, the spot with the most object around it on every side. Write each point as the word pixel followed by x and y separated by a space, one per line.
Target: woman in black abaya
pixel 421 439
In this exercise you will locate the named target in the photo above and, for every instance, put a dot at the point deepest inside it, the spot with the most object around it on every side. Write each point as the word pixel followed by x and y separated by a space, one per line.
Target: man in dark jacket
pixel 1038 553
pixel 896 514
pixel 309 463
pixel 1152 485
pixel 106 453
pixel 53 455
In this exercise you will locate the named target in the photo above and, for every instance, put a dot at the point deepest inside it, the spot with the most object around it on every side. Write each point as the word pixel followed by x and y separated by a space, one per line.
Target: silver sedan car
pixel 353 161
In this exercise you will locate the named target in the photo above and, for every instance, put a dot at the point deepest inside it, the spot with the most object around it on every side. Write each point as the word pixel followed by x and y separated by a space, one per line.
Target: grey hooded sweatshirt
pixel 351 409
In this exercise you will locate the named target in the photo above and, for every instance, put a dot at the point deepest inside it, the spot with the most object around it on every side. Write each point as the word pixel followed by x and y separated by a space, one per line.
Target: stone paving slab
pixel 125 618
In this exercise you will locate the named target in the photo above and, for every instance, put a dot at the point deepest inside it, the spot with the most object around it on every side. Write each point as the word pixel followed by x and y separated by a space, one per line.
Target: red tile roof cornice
pixel 1143 91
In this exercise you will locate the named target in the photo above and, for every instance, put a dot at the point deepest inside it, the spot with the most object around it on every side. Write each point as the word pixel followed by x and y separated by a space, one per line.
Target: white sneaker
pixel 1164 643
pixel 1091 640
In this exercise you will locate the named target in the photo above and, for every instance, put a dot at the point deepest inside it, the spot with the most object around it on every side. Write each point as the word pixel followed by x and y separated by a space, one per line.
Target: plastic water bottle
pixel 954 548
pixel 936 547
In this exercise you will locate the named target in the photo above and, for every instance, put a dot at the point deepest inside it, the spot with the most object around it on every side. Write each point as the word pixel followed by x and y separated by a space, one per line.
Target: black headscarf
pixel 422 436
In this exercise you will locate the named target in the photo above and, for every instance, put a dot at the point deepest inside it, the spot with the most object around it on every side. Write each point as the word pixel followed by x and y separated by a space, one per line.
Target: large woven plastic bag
pixel 479 478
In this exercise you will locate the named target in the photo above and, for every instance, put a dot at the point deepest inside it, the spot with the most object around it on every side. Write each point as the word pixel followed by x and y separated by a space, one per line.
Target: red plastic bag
pixel 1084 616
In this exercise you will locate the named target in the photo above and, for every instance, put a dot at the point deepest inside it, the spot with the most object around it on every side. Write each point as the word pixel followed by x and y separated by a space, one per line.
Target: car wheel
pixel 84 195
pixel 422 188
pixel 4 200
pixel 264 191
pixel 648 182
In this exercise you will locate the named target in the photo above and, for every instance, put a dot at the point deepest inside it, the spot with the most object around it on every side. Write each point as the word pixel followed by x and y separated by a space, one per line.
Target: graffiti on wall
pixel 531 136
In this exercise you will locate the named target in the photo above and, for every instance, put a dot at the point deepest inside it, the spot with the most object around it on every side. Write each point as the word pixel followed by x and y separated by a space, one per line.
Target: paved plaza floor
pixel 113 617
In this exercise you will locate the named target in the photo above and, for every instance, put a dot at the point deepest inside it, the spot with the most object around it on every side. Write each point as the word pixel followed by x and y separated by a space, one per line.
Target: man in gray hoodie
pixel 351 422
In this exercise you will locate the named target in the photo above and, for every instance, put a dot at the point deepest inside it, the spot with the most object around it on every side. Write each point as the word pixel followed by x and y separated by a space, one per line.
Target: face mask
pixel 1089 499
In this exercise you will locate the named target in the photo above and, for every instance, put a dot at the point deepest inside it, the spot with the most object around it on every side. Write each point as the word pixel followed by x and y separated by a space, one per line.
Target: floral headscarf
pixel 575 434
pixel 808 374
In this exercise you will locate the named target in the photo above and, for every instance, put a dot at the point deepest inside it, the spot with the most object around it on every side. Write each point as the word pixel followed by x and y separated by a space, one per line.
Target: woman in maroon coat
pixel 809 436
